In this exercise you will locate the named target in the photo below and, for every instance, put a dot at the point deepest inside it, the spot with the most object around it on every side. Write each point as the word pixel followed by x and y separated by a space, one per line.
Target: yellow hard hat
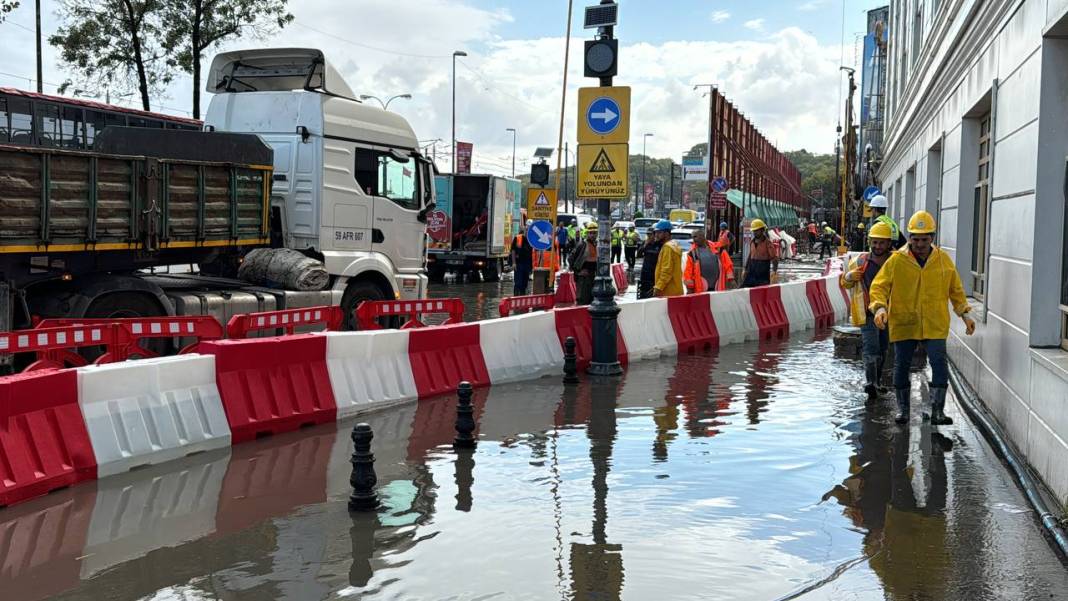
pixel 758 224
pixel 881 230
pixel 860 226
pixel 922 222
pixel 591 226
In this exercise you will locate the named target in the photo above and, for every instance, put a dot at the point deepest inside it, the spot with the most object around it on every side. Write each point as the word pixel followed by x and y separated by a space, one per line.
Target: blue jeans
pixel 936 355
pixel 875 341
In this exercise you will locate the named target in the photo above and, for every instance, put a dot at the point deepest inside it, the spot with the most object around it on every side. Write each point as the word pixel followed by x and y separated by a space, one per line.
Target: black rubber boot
pixel 938 406
pixel 879 375
pixel 902 416
pixel 871 375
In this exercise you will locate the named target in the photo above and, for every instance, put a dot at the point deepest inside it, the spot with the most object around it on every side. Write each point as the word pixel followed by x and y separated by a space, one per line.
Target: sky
pixel 777 60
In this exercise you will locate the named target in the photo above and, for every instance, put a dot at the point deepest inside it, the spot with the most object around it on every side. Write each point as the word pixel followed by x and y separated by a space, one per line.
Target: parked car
pixel 684 236
pixel 642 224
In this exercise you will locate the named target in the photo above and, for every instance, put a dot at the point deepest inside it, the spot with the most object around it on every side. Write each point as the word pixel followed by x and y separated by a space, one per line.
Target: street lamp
pixel 512 129
pixel 454 55
pixel 641 191
pixel 385 105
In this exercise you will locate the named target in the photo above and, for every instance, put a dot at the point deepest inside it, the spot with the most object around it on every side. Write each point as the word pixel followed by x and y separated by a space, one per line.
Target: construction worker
pixel 708 266
pixel 856 243
pixel 857 279
pixel 879 206
pixel 828 240
pixel 668 280
pixel 583 261
pixel 562 241
pixel 726 238
pixel 910 294
pixel 522 264
pixel 617 244
pixel 812 235
pixel 650 252
pixel 762 267
pixel 631 241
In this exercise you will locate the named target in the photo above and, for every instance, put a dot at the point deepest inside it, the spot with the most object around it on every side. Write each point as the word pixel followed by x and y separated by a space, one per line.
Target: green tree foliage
pixel 7 6
pixel 113 45
pixel 817 175
pixel 194 26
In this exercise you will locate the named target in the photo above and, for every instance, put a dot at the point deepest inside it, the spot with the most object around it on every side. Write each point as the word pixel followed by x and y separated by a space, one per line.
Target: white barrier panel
pixel 369 369
pixel 647 329
pixel 150 411
pixel 798 308
pixel 521 347
pixel 834 291
pixel 137 513
pixel 734 316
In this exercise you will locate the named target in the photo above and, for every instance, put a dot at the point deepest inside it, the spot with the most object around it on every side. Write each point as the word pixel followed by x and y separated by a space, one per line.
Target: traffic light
pixel 601 57
pixel 539 174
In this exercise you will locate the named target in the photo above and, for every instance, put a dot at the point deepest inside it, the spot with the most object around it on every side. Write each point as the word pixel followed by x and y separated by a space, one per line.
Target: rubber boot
pixel 902 416
pixel 879 375
pixel 871 375
pixel 938 406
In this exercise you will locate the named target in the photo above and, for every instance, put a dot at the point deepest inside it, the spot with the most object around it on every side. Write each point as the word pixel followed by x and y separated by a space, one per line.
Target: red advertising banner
pixel 463 157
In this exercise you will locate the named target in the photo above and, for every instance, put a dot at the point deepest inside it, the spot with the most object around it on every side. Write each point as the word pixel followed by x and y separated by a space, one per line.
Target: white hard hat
pixel 878 202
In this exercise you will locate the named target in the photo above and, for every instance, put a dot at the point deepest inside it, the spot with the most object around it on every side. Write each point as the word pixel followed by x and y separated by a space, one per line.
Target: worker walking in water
pixel 650 252
pixel 617 244
pixel 583 261
pixel 910 295
pixel 879 206
pixel 668 264
pixel 631 240
pixel 708 266
pixel 857 279
pixel 762 267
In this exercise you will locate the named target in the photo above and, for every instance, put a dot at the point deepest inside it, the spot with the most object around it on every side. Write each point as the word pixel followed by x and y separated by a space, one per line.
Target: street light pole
pixel 454 55
pixel 512 129
pixel 641 191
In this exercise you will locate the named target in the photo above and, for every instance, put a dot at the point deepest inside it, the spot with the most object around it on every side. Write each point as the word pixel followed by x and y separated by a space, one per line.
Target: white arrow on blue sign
pixel 540 234
pixel 603 115
pixel 719 185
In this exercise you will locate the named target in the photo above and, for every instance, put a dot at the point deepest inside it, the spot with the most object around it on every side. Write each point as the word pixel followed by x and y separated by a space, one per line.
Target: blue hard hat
pixel 722 225
pixel 662 226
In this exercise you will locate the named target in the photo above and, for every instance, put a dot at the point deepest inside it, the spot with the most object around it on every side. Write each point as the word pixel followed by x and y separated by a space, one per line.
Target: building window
pixel 917 35
pixel 981 208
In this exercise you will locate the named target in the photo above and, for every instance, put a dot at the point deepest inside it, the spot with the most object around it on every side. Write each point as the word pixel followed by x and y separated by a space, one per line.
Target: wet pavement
pixel 754 472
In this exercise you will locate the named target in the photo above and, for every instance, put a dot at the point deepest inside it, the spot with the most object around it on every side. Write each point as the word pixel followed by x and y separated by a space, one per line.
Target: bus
pixel 40 120
pixel 683 215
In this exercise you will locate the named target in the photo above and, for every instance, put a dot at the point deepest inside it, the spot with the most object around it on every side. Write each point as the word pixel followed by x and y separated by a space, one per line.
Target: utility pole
pixel 40 71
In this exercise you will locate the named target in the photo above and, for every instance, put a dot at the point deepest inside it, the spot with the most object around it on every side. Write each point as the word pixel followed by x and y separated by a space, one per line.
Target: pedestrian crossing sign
pixel 541 204
pixel 603 171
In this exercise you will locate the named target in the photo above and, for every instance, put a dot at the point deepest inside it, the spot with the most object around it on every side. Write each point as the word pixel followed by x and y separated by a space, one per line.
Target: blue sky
pixel 777 60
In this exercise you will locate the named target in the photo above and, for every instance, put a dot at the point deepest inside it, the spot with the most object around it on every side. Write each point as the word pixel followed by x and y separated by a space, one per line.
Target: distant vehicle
pixel 579 219
pixel 684 237
pixel 683 215
pixel 642 224
pixel 693 227
pixel 481 214
pixel 624 225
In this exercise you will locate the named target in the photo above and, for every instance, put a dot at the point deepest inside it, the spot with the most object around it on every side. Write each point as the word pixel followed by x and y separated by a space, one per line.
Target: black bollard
pixel 465 418
pixel 570 362
pixel 363 478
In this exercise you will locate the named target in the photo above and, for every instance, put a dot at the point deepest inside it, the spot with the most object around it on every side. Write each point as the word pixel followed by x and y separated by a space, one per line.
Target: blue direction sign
pixel 719 185
pixel 870 192
pixel 540 234
pixel 602 116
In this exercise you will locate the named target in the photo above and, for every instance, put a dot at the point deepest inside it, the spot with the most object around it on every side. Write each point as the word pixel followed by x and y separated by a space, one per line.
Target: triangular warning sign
pixel 602 164
pixel 541 201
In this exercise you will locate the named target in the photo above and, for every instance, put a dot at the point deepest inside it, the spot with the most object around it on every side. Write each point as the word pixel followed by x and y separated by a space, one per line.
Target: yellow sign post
pixel 603 171
pixel 604 115
pixel 541 205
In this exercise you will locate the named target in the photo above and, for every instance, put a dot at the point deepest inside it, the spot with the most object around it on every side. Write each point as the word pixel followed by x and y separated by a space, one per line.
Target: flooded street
pixel 753 473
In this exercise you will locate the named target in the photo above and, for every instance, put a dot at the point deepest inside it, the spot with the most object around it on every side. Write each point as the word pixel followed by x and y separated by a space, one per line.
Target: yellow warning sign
pixel 603 171
pixel 541 204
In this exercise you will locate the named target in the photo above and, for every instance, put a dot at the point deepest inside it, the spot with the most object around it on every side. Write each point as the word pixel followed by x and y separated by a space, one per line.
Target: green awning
pixel 771 212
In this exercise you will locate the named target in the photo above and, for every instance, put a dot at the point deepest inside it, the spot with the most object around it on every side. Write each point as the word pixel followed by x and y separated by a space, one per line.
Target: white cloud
pixel 812 5
pixel 755 24
pixel 785 82
pixel 719 16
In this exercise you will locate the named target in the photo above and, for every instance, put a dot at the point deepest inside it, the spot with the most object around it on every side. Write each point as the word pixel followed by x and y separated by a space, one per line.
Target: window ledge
pixel 1053 359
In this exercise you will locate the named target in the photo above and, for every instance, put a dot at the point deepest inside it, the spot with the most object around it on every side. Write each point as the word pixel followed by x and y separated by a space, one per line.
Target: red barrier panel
pixel 692 321
pixel 510 304
pixel 443 357
pixel 289 319
pixel 368 312
pixel 202 327
pixel 44 444
pixel 272 385
pixel 565 289
pixel 53 345
pixel 619 274
pixel 769 311
pixel 576 322
pixel 822 309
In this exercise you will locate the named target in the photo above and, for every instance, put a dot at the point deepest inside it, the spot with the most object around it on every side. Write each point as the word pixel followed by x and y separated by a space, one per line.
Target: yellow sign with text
pixel 541 205
pixel 603 171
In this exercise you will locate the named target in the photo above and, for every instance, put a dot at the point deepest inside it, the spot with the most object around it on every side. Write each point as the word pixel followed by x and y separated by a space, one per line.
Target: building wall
pixel 1008 58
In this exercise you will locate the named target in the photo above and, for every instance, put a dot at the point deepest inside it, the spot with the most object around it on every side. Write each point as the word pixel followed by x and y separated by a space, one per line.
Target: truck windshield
pixel 399 181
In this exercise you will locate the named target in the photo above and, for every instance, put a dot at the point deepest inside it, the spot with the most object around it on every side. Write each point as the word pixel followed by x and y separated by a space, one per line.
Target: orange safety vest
pixel 548 258
pixel 691 276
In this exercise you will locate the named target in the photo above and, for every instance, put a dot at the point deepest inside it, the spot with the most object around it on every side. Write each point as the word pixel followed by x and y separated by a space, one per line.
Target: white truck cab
pixel 350 186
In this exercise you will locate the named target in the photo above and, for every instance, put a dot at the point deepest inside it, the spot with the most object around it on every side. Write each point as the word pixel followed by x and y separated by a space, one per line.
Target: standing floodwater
pixel 756 472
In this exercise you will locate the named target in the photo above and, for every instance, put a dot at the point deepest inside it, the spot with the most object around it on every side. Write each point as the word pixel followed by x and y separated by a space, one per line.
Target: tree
pixel 7 6
pixel 113 45
pixel 196 25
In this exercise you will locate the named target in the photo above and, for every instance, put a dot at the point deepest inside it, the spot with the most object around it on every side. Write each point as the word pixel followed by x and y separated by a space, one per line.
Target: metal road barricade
pixel 368 312
pixel 239 326
pixel 510 304
pixel 128 344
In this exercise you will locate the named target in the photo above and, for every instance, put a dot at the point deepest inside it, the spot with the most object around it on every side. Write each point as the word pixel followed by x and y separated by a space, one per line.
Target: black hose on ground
pixel 992 432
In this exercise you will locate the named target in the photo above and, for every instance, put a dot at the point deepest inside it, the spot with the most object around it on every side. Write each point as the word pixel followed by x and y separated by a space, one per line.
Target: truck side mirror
pixel 422 212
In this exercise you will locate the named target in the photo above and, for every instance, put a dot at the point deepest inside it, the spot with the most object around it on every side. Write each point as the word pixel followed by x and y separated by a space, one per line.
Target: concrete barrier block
pixel 369 369
pixel 734 316
pixel 647 329
pixel 798 308
pixel 521 347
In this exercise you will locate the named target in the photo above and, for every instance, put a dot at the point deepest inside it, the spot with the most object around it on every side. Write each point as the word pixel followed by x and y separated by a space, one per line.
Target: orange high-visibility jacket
pixel 691 277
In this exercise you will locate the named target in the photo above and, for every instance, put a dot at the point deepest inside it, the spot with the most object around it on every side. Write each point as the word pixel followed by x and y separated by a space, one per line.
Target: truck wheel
pixel 355 294
pixel 492 271
pixel 124 305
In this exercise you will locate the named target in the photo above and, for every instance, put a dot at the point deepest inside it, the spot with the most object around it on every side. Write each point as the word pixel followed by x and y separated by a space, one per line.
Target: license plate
pixel 455 262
